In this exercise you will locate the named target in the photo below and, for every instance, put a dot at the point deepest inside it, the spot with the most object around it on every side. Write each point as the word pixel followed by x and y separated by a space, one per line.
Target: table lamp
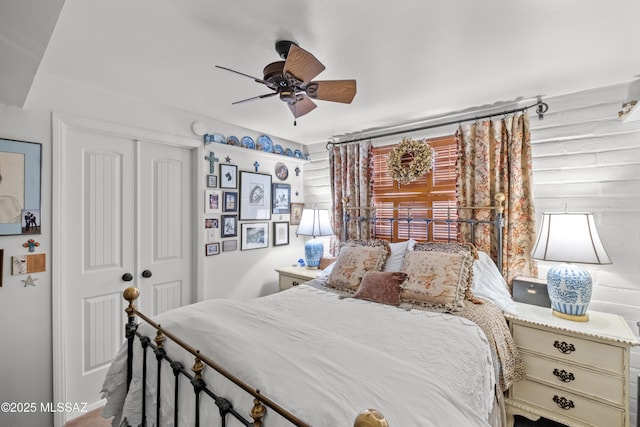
pixel 314 222
pixel 569 238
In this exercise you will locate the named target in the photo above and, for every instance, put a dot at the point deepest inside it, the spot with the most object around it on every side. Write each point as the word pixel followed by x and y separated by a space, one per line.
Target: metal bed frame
pixel 366 418
pixel 406 215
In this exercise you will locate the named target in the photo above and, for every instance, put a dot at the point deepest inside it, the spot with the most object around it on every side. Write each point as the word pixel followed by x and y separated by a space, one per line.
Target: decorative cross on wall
pixel 297 169
pixel 212 161
pixel 256 165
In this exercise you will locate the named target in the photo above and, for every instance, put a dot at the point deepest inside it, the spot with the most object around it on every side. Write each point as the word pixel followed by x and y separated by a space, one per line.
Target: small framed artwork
pixel 212 249
pixel 280 233
pixel 212 201
pixel 228 176
pixel 212 181
pixel 230 201
pixel 229 245
pixel 20 164
pixel 229 226
pixel 281 198
pixel 296 213
pixel 255 235
pixel 255 196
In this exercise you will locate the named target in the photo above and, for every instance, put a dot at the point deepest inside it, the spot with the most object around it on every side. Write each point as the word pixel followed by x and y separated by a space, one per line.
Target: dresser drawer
pixel 570 349
pixel 566 404
pixel 288 281
pixel 574 378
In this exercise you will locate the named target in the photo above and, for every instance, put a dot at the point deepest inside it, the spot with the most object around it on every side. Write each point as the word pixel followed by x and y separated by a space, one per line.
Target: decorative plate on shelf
pixel 282 171
pixel 233 140
pixel 297 154
pixel 219 138
pixel 247 142
pixel 265 142
pixel 278 149
pixel 288 152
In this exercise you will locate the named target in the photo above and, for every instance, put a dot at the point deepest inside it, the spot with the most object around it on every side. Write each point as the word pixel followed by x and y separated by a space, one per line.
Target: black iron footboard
pixel 367 418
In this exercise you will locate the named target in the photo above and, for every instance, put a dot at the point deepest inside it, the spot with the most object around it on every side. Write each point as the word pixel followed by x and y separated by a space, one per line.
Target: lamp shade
pixel 314 222
pixel 569 238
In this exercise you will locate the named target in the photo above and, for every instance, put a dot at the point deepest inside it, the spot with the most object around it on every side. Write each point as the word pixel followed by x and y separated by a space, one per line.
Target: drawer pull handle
pixel 563 402
pixel 563 375
pixel 564 348
pixel 295 283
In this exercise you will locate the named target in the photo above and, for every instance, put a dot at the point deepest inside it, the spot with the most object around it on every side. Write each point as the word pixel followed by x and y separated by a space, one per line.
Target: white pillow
pixel 488 283
pixel 396 258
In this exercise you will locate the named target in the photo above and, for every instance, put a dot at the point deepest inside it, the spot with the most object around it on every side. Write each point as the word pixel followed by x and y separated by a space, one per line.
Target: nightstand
pixel 577 373
pixel 293 276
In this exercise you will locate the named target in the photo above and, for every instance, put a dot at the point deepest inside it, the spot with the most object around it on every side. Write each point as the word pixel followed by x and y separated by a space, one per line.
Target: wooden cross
pixel 212 161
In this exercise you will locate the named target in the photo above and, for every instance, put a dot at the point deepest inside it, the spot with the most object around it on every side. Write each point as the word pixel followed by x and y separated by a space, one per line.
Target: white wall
pixel 25 313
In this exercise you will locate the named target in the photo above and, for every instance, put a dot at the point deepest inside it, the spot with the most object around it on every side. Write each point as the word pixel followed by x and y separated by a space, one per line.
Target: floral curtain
pixel 493 157
pixel 351 171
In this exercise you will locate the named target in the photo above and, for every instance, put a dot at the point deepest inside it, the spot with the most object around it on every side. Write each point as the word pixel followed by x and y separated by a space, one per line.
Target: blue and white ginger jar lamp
pixel 314 223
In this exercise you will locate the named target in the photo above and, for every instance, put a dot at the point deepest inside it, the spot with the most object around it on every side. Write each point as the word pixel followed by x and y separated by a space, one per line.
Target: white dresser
pixel 577 372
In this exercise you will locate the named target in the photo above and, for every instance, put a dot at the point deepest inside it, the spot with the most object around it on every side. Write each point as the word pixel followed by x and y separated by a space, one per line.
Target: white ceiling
pixel 412 59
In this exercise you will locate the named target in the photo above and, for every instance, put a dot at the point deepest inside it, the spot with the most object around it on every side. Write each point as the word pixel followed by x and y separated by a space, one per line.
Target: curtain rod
pixel 541 108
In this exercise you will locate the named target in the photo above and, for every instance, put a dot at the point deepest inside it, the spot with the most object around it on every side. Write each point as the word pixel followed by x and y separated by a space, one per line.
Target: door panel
pixel 127 208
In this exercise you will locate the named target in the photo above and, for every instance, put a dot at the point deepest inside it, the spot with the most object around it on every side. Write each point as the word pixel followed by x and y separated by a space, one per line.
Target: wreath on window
pixel 409 160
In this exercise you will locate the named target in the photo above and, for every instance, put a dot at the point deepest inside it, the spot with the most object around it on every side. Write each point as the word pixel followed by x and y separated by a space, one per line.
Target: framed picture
pixel 20 164
pixel 281 198
pixel 280 233
pixel 212 181
pixel 212 201
pixel 229 245
pixel 230 201
pixel 296 213
pixel 212 249
pixel 229 225
pixel 255 196
pixel 228 176
pixel 255 235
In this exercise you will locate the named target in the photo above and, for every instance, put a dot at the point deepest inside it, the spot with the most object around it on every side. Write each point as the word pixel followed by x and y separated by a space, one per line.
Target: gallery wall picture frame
pixel 230 201
pixel 212 249
pixel 280 233
pixel 255 235
pixel 229 245
pixel 228 176
pixel 212 181
pixel 228 226
pixel 255 196
pixel 212 201
pixel 20 170
pixel 281 198
pixel 296 213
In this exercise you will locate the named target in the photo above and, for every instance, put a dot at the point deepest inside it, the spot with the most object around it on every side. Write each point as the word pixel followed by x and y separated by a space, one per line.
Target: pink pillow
pixel 381 286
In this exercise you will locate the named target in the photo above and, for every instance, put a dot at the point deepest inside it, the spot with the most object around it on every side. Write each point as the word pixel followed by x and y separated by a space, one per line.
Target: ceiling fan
pixel 291 79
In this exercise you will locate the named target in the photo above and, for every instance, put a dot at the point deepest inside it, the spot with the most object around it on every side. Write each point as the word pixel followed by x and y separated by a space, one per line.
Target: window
pixel 433 196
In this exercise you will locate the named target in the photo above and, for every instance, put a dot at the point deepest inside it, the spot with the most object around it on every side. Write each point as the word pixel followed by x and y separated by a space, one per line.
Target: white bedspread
pixel 326 359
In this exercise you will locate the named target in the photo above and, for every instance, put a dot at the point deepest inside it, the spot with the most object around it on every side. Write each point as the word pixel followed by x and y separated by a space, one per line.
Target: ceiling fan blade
pixel 332 90
pixel 301 64
pixel 256 79
pixel 254 98
pixel 302 106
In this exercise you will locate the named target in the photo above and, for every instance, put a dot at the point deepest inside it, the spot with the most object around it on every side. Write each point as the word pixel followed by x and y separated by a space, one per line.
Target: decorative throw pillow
pixel 396 257
pixel 354 260
pixel 453 247
pixel 436 279
pixel 381 286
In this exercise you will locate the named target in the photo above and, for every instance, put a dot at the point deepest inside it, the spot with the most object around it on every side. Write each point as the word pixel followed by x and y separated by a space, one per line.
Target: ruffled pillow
pixel 354 260
pixel 436 279
pixel 381 286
